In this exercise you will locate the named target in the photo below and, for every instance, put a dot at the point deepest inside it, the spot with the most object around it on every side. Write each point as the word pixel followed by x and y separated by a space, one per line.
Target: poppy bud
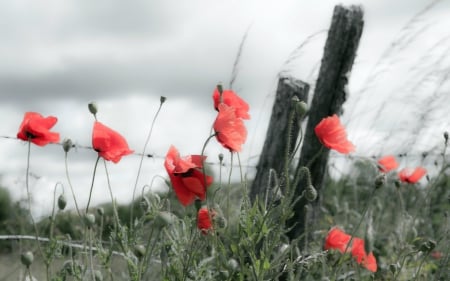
pixel 98 275
pixel 62 202
pixel 164 218
pixel 67 145
pixel 162 99
pixel 397 184
pixel 101 211
pixel 380 180
pixel 233 264
pixel 446 137
pixel 89 219
pixel 427 246
pixel 145 204
pixel 27 258
pixel 300 107
pixel 220 157
pixel 393 268
pixel 310 193
pixel 139 251
pixel 92 108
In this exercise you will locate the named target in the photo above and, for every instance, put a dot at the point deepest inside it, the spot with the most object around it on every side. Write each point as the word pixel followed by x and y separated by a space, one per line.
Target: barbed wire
pixel 433 152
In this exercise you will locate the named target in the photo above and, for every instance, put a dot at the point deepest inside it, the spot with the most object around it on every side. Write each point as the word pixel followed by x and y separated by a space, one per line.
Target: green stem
pixel 205 182
pixel 92 183
pixel 141 162
pixel 71 187
pixel 91 259
pixel 27 185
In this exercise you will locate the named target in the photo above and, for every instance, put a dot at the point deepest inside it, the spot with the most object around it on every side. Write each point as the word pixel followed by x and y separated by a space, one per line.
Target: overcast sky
pixel 57 56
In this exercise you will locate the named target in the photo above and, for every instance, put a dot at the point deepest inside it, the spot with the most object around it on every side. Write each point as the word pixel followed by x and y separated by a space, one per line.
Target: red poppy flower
pixel 412 176
pixel 230 130
pixel 336 239
pixel 108 143
pixel 231 99
pixel 204 220
pixel 186 176
pixel 387 163
pixel 332 135
pixel 359 253
pixel 36 128
pixel 436 255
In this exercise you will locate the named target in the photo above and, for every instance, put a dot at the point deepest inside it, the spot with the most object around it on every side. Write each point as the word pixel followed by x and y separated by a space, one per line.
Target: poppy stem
pixel 27 184
pixel 71 187
pixel 92 183
pixel 203 163
pixel 141 162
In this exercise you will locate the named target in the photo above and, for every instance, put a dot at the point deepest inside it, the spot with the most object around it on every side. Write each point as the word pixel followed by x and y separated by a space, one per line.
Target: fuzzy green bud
pixel 62 202
pixel 139 251
pixel 164 218
pixel 220 157
pixel 101 211
pixel 427 246
pixel 27 258
pixel 446 137
pixel 89 219
pixel 380 180
pixel 310 193
pixel 67 145
pixel 162 99
pixel 93 108
pixel 98 275
pixel 233 264
pixel 300 107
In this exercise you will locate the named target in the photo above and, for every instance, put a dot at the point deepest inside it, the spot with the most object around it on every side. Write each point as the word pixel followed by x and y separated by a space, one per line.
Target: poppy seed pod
pixel 62 202
pixel 92 108
pixel 27 258
pixel 162 99
pixel 67 145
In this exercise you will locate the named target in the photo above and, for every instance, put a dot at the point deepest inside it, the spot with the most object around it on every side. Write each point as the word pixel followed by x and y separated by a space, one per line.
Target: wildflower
pixel 186 176
pixel 230 130
pixel 337 239
pixel 231 99
pixel 359 253
pixel 332 135
pixel 436 255
pixel 387 163
pixel 36 128
pixel 204 222
pixel 412 176
pixel 108 143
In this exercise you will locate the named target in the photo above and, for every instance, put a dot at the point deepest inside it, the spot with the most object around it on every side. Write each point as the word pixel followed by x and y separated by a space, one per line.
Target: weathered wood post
pixel 329 95
pixel 275 144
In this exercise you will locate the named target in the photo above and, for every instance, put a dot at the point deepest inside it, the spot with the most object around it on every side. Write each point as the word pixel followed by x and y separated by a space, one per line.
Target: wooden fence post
pixel 275 144
pixel 329 95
